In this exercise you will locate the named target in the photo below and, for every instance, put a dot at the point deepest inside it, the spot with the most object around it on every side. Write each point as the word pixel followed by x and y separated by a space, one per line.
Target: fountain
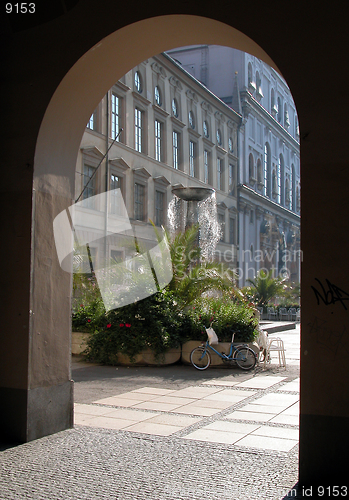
pixel 196 205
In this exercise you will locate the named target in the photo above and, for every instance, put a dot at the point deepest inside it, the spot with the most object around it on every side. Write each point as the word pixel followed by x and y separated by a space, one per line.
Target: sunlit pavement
pixel 169 433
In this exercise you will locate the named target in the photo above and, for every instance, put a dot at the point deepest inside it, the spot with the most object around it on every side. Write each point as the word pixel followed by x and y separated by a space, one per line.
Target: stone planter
pixel 144 358
pixel 78 342
pixel 187 347
pixel 148 358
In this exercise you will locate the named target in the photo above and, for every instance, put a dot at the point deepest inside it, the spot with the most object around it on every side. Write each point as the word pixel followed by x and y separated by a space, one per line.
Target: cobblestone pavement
pixel 195 459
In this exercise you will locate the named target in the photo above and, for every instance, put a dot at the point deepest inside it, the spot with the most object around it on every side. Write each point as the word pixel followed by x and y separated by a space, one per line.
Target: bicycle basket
pixel 212 336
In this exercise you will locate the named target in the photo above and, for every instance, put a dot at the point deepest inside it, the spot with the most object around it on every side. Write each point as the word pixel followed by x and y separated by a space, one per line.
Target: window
pixel 292 187
pixel 220 174
pixel 232 231
pixel 157 95
pixel 221 221
pixel 286 117
pixel 191 119
pixel 267 170
pixel 116 256
pixel 259 172
pixel 159 208
pixel 249 73
pixel 192 158
pixel 175 148
pixel 138 130
pixel 91 186
pixel 272 102
pixel 281 180
pixel 139 201
pixel 158 140
pixel 206 167
pixel 115 196
pixel 115 116
pixel 230 145
pixel 205 129
pixel 231 179
pixel 138 82
pixel 175 108
pixel 219 137
pixel 91 122
pixel 279 116
pixel 251 167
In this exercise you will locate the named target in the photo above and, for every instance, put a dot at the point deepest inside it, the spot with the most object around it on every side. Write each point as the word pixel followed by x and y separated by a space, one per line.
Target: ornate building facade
pixel 173 132
pixel 268 149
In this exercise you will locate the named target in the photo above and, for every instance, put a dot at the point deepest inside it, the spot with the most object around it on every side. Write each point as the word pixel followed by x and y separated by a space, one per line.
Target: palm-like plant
pixel 265 287
pixel 193 276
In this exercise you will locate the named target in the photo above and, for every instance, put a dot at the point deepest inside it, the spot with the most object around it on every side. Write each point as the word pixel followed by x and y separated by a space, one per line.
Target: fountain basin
pixel 192 193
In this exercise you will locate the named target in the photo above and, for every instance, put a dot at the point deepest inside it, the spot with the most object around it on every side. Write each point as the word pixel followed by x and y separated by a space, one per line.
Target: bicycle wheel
pixel 245 358
pixel 200 358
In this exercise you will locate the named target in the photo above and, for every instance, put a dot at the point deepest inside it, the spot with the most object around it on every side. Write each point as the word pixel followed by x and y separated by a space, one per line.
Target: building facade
pixel 164 129
pixel 268 151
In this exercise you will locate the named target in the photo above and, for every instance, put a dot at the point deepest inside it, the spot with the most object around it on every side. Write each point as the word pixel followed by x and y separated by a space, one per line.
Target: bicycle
pixel 242 355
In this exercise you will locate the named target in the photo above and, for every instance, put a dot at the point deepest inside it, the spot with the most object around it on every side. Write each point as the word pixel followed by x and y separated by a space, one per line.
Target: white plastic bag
pixel 212 336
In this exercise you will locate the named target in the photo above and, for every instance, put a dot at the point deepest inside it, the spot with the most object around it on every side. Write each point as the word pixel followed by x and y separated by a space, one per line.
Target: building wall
pixel 153 166
pixel 269 160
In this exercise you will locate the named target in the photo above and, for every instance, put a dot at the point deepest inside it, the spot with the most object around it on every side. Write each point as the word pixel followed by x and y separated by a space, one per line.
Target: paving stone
pixel 244 415
pixel 214 436
pixel 153 390
pixel 267 443
pixel 154 428
pixel 261 382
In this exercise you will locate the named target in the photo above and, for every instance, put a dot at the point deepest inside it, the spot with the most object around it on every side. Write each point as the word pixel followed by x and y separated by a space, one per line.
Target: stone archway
pixel 54 177
pixel 36 389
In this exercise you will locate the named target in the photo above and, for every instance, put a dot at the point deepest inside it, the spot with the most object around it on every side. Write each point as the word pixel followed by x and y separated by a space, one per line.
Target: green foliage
pixel 290 295
pixel 154 323
pixel 226 316
pixel 168 318
pixel 265 287
pixel 192 275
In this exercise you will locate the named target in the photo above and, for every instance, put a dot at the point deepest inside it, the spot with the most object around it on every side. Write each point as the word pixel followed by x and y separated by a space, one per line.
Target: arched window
pixel 279 117
pixel 296 126
pixel 281 180
pixel 275 186
pixel 251 168
pixel 286 117
pixel 273 108
pixel 267 170
pixel 293 188
pixel 251 83
pixel 259 174
pixel 287 193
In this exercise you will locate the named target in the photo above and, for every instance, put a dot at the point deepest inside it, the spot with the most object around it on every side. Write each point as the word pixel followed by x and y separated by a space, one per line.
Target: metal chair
pixel 283 314
pixel 271 313
pixel 292 314
pixel 275 345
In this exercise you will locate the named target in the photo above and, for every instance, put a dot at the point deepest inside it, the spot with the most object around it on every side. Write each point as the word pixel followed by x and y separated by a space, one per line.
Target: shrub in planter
pixel 226 316
pixel 152 323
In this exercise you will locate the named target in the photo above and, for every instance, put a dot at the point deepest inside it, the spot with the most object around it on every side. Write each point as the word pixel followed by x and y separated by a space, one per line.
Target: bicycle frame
pixel 232 350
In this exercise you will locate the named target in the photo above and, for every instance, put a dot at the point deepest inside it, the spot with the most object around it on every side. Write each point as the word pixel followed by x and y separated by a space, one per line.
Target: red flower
pixel 128 325
pixel 108 325
pixel 88 321
pixel 121 324
pixel 81 305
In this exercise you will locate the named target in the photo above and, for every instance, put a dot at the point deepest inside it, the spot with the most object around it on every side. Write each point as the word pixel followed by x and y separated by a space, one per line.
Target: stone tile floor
pixel 217 411
pixel 151 435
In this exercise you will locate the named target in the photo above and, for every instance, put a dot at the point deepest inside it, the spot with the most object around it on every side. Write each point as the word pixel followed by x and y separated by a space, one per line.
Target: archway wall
pixel 54 82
